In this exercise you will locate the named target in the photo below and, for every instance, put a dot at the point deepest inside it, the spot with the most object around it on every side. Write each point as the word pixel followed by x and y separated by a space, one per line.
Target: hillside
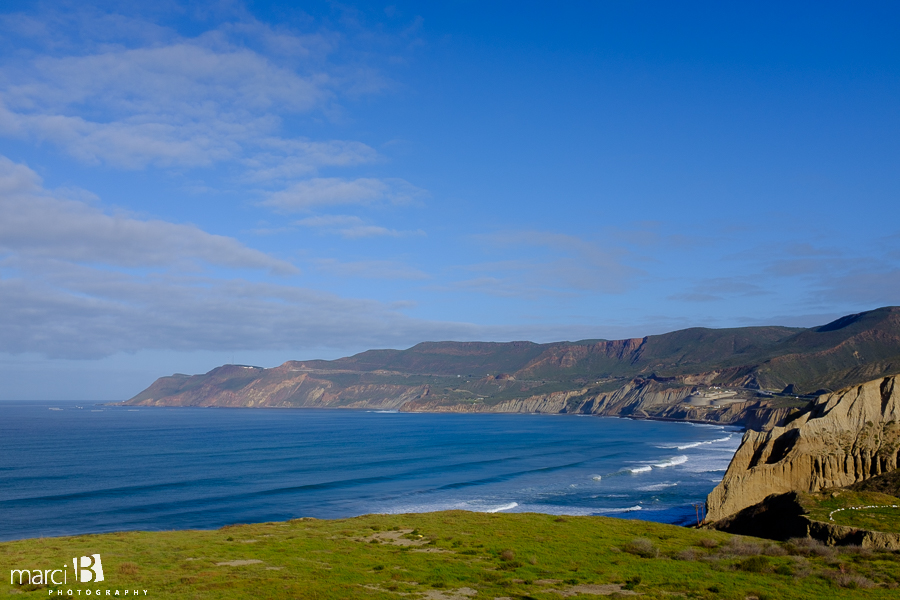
pixel 452 556
pixel 698 373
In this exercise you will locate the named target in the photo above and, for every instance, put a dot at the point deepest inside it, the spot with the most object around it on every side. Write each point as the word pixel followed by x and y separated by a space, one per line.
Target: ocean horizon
pixel 72 468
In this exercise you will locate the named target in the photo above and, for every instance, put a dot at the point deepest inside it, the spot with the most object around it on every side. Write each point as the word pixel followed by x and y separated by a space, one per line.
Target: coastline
pixel 738 424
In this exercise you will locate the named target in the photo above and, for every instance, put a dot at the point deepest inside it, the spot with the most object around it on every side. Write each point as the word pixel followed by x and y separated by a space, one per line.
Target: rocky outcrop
pixel 783 516
pixel 842 535
pixel 842 438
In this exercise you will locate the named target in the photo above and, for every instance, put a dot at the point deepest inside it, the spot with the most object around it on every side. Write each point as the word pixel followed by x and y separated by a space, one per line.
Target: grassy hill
pixel 458 556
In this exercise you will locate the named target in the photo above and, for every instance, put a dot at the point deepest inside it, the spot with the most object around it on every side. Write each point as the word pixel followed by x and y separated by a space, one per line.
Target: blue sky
pixel 190 184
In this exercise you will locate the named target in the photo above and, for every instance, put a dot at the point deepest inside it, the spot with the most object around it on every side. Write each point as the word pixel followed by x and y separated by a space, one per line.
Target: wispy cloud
pixel 548 262
pixel 714 289
pixel 332 191
pixel 166 100
pixel 36 224
pixel 369 269
pixel 83 312
pixel 352 227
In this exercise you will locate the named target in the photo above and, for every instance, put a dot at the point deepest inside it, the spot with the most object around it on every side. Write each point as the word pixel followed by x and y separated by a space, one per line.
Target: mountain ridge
pixel 671 375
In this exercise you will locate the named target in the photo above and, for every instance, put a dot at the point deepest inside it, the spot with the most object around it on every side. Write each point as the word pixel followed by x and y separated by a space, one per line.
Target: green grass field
pixel 842 508
pixel 456 556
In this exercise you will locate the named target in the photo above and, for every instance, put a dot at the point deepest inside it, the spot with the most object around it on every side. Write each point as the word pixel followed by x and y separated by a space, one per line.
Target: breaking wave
pixel 698 444
pixel 676 460
pixel 509 506
pixel 619 510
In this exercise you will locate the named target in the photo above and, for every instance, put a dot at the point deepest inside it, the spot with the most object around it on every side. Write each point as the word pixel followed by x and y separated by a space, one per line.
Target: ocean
pixel 70 468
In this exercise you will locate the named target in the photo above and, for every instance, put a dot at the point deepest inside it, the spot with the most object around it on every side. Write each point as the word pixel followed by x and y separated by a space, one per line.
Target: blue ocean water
pixel 66 470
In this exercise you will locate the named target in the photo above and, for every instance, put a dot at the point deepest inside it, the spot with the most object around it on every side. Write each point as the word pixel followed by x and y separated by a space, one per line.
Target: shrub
pixel 740 547
pixel 784 570
pixel 632 582
pixel 507 555
pixel 773 550
pixel 128 568
pixel 848 580
pixel 532 560
pixel 809 547
pixel 642 547
pixel 856 551
pixel 801 567
pixel 708 543
pixel 754 564
pixel 687 554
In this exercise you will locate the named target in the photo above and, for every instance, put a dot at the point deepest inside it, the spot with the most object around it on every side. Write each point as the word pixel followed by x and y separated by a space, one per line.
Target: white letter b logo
pixel 91 569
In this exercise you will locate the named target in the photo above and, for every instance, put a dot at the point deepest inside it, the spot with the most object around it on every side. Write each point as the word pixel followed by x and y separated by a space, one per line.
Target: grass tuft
pixel 642 547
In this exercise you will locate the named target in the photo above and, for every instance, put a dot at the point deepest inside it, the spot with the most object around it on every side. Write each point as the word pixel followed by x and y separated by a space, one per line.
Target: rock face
pixel 840 439
pixel 784 516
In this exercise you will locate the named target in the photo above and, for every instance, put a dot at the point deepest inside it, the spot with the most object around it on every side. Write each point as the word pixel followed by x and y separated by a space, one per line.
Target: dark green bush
pixel 642 547
pixel 754 564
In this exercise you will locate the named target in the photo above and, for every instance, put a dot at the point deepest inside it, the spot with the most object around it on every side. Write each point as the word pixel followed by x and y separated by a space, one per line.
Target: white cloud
pixel 35 224
pixel 563 264
pixel 369 269
pixel 280 159
pixel 332 191
pixel 64 293
pixel 87 313
pixel 180 102
pixel 353 227
pixel 331 221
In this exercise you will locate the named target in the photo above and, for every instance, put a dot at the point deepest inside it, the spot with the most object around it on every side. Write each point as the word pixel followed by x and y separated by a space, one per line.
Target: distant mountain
pixel 727 375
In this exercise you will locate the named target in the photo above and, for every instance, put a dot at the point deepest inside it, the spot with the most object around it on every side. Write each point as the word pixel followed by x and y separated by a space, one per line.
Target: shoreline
pixel 631 417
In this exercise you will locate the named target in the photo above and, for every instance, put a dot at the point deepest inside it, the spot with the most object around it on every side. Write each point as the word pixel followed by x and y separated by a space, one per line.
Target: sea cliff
pixel 842 438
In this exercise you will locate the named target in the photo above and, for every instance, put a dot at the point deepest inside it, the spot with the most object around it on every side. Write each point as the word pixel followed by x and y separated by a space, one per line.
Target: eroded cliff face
pixel 843 438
